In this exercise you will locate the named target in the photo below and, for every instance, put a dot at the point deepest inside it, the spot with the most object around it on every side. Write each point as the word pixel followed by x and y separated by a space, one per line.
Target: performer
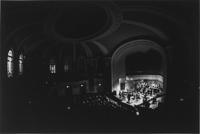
pixel 129 97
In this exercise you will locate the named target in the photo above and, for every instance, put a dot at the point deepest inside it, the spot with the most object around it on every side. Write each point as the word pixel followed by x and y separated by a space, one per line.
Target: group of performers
pixel 140 91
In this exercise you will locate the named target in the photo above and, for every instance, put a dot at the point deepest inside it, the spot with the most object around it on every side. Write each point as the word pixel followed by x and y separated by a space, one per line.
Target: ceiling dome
pixel 82 21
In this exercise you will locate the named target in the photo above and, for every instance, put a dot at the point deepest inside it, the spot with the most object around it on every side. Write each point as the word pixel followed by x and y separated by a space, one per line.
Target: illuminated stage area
pixel 141 89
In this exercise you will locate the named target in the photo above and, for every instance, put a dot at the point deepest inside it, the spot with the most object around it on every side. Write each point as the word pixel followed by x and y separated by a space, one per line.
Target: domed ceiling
pixel 91 28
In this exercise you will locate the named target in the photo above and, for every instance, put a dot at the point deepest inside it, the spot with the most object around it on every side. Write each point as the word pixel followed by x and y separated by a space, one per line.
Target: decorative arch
pixel 103 49
pixel 119 56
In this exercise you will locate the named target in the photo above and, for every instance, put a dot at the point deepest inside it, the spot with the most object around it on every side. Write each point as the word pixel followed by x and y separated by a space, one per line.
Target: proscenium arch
pixel 120 54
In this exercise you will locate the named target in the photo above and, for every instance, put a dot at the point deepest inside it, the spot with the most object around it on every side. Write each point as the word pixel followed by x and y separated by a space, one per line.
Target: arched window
pixel 10 64
pixel 52 67
pixel 67 64
pixel 20 60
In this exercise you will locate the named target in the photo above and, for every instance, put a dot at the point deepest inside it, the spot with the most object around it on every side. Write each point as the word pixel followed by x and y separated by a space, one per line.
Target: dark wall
pixel 149 62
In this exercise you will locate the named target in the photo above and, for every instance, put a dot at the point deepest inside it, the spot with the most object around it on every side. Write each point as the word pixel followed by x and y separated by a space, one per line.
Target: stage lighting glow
pixel 140 89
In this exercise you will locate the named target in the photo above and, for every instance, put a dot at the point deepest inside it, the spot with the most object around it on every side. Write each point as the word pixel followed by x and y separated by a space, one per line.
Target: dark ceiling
pixel 26 25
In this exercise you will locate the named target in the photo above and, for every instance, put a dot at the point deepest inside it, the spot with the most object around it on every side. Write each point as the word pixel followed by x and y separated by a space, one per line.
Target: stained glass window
pixel 10 65
pixel 52 67
pixel 21 58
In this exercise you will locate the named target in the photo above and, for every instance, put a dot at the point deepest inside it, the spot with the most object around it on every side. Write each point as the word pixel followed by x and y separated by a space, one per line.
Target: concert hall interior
pixel 99 66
